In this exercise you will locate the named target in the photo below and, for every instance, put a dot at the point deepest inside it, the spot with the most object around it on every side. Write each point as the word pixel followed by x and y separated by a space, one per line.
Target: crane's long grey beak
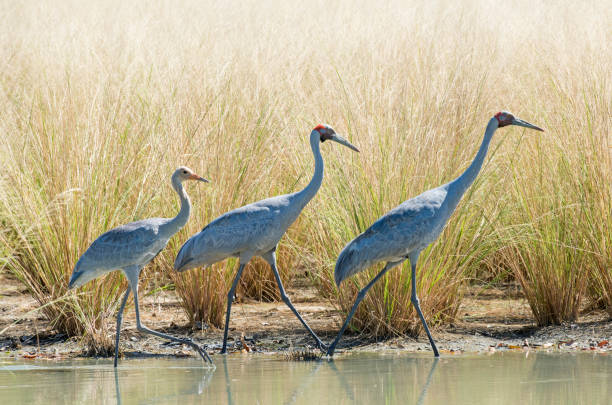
pixel 525 124
pixel 196 177
pixel 341 140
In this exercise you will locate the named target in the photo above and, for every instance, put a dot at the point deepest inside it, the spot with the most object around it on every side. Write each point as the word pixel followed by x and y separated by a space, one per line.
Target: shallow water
pixel 369 379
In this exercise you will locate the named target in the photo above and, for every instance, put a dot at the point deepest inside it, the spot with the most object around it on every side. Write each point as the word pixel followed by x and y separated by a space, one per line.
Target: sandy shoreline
pixel 487 323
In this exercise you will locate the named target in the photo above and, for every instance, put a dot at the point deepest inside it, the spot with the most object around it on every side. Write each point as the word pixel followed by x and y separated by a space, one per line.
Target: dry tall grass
pixel 100 102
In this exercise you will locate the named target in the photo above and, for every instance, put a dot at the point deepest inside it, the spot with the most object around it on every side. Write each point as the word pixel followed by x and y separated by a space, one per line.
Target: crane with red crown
pixel 255 230
pixel 406 230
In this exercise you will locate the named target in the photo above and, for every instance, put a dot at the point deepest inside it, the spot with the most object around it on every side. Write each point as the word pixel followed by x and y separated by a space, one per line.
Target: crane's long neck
pixel 311 189
pixel 458 186
pixel 180 220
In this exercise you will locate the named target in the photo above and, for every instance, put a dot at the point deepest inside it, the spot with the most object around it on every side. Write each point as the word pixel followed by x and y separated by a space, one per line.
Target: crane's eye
pixel 327 134
pixel 184 171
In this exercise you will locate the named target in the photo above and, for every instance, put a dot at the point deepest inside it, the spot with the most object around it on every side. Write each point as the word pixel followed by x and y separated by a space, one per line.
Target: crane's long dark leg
pixel 119 319
pixel 230 297
pixel 133 279
pixel 271 259
pixel 360 296
pixel 415 302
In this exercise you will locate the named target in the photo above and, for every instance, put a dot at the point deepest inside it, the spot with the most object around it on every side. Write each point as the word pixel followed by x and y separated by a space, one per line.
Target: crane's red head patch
pixel 504 118
pixel 324 131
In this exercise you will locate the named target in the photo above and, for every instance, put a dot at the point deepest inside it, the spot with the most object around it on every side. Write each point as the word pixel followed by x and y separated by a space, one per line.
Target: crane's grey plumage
pixel 132 244
pixel 129 248
pixel 406 230
pixel 256 229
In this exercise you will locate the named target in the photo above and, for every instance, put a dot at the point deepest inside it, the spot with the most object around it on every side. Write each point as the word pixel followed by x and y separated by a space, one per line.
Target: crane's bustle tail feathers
pixel 187 258
pixel 73 278
pixel 79 278
pixel 187 265
pixel 181 262
pixel 348 264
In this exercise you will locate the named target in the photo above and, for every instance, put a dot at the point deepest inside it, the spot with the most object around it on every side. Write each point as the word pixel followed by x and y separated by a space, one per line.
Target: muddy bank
pixel 489 321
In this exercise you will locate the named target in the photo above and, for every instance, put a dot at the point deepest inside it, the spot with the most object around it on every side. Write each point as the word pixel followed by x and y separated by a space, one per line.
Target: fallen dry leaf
pixel 244 343
pixel 181 353
pixel 603 343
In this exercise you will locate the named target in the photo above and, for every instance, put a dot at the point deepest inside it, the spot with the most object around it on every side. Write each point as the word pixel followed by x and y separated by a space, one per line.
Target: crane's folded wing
pixel 131 244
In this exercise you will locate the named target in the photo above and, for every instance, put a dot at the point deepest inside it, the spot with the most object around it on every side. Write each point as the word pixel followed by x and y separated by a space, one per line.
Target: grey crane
pixel 256 229
pixel 406 230
pixel 129 248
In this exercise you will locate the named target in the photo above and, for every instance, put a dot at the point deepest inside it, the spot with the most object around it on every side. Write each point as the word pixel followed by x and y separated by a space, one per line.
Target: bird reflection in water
pixel 197 388
pixel 307 382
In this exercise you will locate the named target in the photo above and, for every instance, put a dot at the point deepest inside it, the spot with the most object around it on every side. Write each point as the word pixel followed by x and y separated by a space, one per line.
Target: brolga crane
pixel 406 230
pixel 129 248
pixel 256 229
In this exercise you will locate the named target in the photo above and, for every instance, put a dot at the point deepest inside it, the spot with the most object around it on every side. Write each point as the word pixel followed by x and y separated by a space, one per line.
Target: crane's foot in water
pixel 331 350
pixel 200 350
